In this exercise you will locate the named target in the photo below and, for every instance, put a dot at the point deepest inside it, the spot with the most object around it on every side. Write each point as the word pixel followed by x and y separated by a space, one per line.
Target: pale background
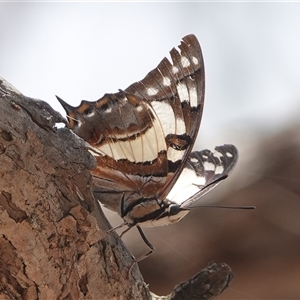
pixel 252 60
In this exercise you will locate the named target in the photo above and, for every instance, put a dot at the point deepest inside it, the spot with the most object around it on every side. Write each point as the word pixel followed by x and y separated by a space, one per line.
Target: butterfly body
pixel 142 139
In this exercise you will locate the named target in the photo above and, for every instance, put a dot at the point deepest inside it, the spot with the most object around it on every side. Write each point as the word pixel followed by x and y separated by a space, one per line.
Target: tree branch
pixel 53 240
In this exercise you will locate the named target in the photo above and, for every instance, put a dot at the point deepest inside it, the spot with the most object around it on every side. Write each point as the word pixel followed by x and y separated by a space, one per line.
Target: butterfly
pixel 142 138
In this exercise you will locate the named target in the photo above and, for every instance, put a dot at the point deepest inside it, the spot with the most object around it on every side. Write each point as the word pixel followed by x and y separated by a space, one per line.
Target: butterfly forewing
pixel 203 171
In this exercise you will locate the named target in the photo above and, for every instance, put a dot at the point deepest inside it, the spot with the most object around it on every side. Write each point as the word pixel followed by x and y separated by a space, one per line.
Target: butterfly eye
pixel 174 209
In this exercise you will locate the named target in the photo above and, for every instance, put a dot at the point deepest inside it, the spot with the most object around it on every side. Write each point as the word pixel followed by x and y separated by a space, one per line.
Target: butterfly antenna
pixel 119 226
pixel 226 206
pixel 146 241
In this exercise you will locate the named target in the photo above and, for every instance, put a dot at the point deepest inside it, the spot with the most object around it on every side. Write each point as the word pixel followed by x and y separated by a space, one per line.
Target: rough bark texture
pixel 53 240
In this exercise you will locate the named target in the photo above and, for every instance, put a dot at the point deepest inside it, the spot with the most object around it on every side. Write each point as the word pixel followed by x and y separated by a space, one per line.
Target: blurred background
pixel 251 53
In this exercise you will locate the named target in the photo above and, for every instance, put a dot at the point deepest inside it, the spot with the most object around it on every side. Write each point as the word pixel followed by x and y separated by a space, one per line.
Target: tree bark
pixel 53 234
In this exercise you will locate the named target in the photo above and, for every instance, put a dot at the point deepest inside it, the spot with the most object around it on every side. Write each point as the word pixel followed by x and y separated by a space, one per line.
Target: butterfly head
pixel 153 213
pixel 174 214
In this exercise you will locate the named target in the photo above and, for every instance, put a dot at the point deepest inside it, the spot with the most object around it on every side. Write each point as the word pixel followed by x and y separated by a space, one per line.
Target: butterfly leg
pixel 147 243
pixel 118 226
pixel 126 230
pixel 143 237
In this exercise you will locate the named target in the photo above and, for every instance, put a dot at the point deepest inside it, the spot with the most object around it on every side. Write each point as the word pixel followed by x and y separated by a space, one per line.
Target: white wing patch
pixel 193 97
pixel 186 186
pixel 182 92
pixel 180 126
pixel 170 124
pixel 185 193
pixel 152 91
pixel 142 148
pixel 139 108
pixel 166 81
pixel 174 154
pixel 165 114
pixel 219 170
pixel 91 114
pixel 175 70
pixel 185 62
pixel 209 166
pixel 108 110
pixel 195 60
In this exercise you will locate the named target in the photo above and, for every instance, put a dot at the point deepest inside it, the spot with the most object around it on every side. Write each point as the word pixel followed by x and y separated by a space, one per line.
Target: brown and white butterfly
pixel 142 139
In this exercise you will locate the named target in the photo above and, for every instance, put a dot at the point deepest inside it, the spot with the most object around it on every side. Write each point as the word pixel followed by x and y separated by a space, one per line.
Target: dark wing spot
pixel 178 142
